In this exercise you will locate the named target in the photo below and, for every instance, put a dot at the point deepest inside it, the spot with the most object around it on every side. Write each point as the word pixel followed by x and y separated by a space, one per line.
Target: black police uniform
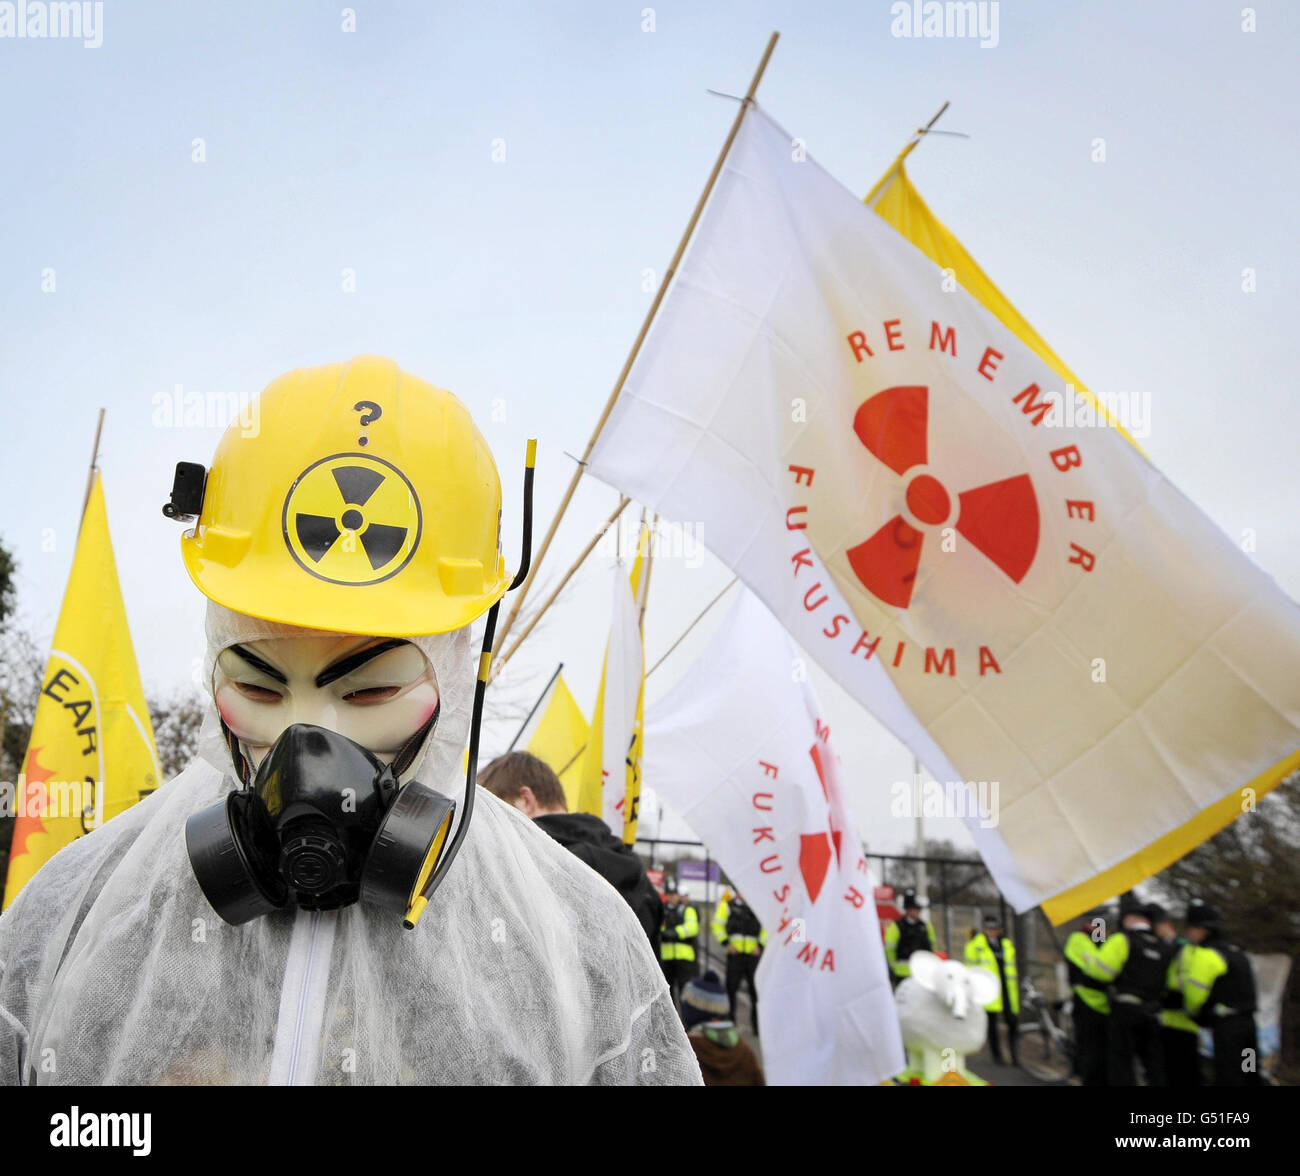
pixel 1229 1011
pixel 1136 998
pixel 913 935
pixel 741 968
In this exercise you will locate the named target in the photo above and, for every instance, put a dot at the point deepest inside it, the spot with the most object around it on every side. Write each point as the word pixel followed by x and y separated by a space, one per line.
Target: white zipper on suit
pixel 298 1032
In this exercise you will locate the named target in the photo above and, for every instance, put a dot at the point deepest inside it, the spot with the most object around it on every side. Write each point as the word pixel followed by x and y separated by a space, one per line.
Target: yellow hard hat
pixel 356 498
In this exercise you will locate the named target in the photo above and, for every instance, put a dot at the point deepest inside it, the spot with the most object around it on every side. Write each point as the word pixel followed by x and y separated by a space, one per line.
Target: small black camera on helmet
pixel 187 492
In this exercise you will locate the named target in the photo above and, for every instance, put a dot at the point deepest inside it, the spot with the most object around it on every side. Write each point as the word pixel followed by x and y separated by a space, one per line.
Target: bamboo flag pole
pixel 644 586
pixel 686 632
pixel 668 653
pixel 920 134
pixel 497 663
pixel 94 462
pixel 640 530
pixel 645 547
pixel 636 347
pixel 573 759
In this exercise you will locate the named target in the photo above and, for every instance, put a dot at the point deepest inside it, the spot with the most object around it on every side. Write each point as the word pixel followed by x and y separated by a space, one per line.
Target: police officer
pixel 1135 964
pixel 905 935
pixel 1091 1009
pixel 993 952
pixel 736 927
pixel 677 938
pixel 1219 991
pixel 1180 1036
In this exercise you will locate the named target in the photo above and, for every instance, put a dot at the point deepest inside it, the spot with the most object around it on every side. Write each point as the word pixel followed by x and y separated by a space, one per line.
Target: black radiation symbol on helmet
pixel 352 519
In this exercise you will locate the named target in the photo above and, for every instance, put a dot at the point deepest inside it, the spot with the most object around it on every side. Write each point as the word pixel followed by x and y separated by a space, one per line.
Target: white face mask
pixel 378 692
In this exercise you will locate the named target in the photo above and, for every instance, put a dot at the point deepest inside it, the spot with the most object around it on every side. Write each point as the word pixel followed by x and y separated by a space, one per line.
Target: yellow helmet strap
pixel 421 900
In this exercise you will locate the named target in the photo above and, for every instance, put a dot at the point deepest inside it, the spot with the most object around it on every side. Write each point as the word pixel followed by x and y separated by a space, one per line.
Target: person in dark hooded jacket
pixel 532 787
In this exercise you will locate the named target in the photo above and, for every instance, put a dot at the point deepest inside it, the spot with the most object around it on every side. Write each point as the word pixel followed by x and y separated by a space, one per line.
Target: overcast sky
pixel 523 280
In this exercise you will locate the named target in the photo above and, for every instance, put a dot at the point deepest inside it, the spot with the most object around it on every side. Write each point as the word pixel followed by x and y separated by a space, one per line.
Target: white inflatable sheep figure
pixel 941 1008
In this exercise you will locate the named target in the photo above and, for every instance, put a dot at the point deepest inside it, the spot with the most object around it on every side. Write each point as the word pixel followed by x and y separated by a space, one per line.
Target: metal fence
pixel 958 893
pixel 663 853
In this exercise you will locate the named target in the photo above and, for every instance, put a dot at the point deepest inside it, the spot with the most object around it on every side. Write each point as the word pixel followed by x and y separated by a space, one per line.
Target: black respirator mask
pixel 323 825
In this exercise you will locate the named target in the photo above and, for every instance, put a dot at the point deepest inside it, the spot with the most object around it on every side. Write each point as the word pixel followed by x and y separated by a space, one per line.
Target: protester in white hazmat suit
pixel 319 540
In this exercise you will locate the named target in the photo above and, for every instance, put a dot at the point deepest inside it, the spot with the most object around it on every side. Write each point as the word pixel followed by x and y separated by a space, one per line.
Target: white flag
pixel 1014 590
pixel 740 751
pixel 615 719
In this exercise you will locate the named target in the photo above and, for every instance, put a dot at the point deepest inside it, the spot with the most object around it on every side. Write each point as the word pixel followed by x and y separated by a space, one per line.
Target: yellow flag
pixel 897 202
pixel 610 785
pixel 560 737
pixel 91 753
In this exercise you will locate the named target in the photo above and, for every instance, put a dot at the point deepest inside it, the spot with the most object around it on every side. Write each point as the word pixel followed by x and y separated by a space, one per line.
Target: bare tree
pixel 22 668
pixel 1251 872
pixel 176 721
pixel 514 691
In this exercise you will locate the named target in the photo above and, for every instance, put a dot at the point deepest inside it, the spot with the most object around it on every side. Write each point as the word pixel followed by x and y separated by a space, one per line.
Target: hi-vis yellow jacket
pixel 744 944
pixel 980 955
pixel 1180 968
pixel 1078 948
pixel 679 942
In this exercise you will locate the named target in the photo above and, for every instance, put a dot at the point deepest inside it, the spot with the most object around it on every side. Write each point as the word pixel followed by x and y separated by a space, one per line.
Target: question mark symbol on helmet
pixel 370 411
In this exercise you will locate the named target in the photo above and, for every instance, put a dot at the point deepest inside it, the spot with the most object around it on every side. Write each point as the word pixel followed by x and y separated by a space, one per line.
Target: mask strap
pixel 236 752
pixel 471 776
pixel 403 759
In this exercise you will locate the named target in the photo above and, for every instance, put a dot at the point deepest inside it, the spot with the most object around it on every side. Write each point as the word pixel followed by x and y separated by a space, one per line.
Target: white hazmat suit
pixel 527 966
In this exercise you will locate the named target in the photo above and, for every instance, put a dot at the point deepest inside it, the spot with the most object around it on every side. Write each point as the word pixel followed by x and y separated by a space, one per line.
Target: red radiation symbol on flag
pixel 999 519
pixel 815 849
